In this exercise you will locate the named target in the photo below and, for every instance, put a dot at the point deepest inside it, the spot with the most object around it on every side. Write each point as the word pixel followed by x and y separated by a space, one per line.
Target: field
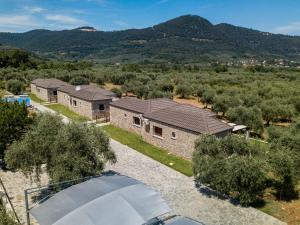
pixel 287 211
pixel 190 101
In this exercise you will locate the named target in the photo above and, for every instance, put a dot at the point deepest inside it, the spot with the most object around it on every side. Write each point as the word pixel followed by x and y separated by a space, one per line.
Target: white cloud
pixel 16 23
pixel 16 20
pixel 291 28
pixel 34 9
pixel 64 19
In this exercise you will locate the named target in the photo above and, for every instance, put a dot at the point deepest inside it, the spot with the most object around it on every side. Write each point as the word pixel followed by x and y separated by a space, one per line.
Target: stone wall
pixel 182 145
pixel 84 108
pixel 63 98
pixel 42 93
pixel 124 119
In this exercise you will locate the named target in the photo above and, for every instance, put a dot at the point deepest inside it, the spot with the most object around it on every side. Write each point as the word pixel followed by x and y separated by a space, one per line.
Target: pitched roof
pixel 143 106
pixel 190 118
pixel 50 83
pixel 179 115
pixel 88 92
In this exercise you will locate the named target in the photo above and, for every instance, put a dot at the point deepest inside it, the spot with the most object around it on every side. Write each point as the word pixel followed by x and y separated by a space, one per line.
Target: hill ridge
pixel 188 38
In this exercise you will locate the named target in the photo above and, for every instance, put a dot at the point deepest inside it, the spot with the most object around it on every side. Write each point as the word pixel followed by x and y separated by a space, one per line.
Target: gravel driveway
pixel 181 194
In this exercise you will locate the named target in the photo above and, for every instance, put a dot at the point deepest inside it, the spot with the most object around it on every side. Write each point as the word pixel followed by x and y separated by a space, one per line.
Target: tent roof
pixel 108 199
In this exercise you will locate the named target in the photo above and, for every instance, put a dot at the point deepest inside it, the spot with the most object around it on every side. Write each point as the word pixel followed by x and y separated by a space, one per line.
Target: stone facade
pixel 181 144
pixel 63 98
pixel 88 109
pixel 42 93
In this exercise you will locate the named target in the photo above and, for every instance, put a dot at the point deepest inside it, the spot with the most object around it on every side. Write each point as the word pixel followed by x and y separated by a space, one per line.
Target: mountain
pixel 187 38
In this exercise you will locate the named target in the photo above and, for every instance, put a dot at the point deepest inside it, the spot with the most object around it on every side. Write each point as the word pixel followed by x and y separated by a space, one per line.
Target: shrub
pixel 229 166
pixel 79 80
pixel 15 86
pixel 183 90
pixel 117 91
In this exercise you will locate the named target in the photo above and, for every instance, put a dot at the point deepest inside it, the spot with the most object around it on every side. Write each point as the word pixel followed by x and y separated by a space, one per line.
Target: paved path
pixel 180 193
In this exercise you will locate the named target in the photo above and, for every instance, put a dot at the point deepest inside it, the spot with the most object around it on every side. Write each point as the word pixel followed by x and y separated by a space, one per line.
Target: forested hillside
pixel 183 39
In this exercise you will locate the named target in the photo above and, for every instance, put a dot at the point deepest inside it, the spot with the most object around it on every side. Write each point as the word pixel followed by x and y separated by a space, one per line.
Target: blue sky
pixel 276 16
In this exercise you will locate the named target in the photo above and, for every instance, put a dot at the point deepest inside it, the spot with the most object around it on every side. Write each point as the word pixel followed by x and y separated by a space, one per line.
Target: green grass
pixel 269 207
pixel 67 112
pixel 136 142
pixel 34 98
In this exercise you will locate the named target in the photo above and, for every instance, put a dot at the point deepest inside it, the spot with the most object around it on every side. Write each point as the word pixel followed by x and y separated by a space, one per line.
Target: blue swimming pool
pixel 20 99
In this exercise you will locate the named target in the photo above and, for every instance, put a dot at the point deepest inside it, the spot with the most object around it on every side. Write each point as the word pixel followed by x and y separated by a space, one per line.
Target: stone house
pixel 165 123
pixel 86 100
pixel 46 89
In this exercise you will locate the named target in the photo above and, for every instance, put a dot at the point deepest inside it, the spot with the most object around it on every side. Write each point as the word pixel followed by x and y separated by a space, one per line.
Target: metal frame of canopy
pixel 154 212
pixel 132 202
pixel 49 187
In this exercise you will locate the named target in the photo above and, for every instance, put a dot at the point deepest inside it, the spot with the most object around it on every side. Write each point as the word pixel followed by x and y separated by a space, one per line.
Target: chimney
pixel 77 88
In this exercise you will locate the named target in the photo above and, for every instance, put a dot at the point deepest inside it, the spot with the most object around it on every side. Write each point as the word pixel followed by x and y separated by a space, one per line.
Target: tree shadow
pixel 260 203
pixel 290 196
pixel 210 193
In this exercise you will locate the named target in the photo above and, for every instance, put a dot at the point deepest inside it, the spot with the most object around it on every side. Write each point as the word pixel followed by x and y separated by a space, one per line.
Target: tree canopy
pixel 241 169
pixel 251 117
pixel 69 151
pixel 227 166
pixel 15 86
pixel 14 121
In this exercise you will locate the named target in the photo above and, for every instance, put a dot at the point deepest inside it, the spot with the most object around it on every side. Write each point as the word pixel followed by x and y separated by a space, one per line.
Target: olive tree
pixel 117 91
pixel 14 121
pixel 69 151
pixel 272 109
pixel 15 86
pixel 251 117
pixel 79 80
pixel 221 103
pixel 183 90
pixel 208 96
pixel 229 166
pixel 284 169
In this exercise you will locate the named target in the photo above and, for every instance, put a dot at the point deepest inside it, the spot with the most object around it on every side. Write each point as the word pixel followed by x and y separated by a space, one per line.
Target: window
pixel 157 131
pixel 101 107
pixel 173 135
pixel 74 103
pixel 38 90
pixel 125 115
pixel 136 121
pixel 54 92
